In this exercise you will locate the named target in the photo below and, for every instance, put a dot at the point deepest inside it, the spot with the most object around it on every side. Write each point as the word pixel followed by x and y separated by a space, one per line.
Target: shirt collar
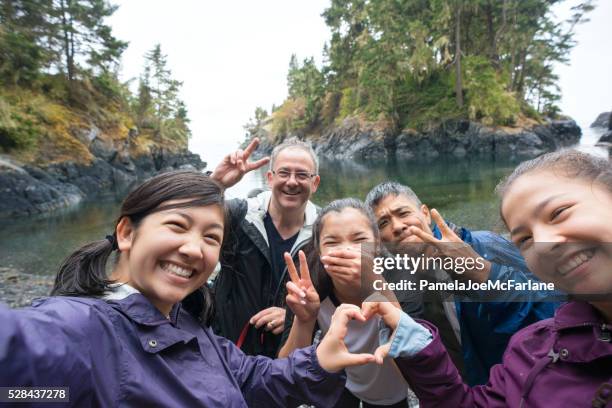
pixel 577 314
pixel 119 291
pixel 155 332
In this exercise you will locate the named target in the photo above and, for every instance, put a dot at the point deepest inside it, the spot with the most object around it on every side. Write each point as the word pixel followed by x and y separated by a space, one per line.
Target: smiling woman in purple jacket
pixel 558 209
pixel 128 338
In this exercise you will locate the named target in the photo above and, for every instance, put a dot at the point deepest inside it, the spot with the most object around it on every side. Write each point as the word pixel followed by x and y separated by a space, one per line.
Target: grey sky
pixel 233 56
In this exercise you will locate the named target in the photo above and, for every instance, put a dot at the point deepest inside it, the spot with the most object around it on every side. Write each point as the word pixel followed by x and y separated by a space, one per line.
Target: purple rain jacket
pixel 126 353
pixel 565 361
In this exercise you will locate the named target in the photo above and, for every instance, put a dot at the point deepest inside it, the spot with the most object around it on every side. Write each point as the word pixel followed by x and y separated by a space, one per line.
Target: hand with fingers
pixel 271 319
pixel 344 265
pixel 451 246
pixel 389 313
pixel 302 297
pixel 332 353
pixel 235 165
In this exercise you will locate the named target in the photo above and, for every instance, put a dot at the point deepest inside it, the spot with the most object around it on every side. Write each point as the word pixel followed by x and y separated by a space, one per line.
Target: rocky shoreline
pixel 28 190
pixel 19 289
pixel 354 139
pixel 604 124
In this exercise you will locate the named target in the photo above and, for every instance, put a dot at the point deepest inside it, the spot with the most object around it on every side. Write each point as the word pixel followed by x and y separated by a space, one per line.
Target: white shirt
pixel 372 383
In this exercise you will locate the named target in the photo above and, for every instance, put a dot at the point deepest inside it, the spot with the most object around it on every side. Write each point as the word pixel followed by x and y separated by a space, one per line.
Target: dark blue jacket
pixel 486 327
pixel 126 353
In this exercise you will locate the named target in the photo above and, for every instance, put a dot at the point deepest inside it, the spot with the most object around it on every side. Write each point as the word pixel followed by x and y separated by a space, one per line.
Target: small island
pixel 404 81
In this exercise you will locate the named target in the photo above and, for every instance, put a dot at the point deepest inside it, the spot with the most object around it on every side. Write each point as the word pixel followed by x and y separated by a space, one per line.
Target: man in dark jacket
pixel 250 287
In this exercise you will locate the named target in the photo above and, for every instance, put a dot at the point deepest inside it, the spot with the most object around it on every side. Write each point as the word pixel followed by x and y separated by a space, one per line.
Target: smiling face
pixel 171 253
pixel 562 228
pixel 294 191
pixel 395 214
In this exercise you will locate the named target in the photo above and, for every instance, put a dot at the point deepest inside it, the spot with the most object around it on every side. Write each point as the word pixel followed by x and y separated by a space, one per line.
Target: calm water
pixel 461 189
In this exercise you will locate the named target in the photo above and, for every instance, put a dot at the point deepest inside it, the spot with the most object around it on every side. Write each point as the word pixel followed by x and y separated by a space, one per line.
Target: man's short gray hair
pixel 381 191
pixel 295 143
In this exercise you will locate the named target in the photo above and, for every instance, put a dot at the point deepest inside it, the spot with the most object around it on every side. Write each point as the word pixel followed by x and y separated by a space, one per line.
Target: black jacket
pixel 244 285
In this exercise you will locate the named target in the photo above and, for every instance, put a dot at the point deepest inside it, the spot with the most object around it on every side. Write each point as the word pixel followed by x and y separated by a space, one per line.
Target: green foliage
pixel 20 59
pixel 58 64
pixel 488 100
pixel 288 117
pixel 348 103
pixel 157 105
pixel 307 82
pixel 424 104
pixel 418 62
pixel 17 129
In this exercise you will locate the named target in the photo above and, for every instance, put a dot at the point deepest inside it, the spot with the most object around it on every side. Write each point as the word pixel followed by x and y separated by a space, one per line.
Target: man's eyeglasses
pixel 299 175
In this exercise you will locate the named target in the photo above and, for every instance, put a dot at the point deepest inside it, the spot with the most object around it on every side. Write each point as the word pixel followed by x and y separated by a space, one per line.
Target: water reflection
pixel 37 245
pixel 462 190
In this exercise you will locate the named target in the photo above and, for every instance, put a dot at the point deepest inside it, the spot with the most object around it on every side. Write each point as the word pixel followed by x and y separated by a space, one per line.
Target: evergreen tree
pixel 158 105
pixel 82 33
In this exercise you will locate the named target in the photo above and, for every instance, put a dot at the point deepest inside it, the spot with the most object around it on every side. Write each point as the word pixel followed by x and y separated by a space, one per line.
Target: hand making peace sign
pixel 302 297
pixel 450 245
pixel 235 165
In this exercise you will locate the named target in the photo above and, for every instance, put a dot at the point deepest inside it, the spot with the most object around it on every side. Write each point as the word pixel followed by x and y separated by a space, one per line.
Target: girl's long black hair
pixel 83 273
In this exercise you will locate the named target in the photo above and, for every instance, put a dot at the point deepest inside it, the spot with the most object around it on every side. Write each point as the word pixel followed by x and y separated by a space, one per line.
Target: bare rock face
pixel 28 190
pixel 603 123
pixel 606 138
pixel 604 120
pixel 456 138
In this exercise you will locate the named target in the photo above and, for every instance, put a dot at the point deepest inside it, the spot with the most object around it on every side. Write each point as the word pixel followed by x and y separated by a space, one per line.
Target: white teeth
pixel 575 262
pixel 176 270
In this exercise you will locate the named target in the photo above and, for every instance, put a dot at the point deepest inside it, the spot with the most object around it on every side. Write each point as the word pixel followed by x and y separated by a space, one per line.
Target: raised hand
pixel 235 165
pixel 332 352
pixel 450 245
pixel 302 297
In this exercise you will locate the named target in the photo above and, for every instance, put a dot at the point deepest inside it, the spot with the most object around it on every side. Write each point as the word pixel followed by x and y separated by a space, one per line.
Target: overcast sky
pixel 233 56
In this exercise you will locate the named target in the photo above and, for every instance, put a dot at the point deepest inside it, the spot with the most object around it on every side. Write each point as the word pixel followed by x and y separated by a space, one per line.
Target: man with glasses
pixel 249 290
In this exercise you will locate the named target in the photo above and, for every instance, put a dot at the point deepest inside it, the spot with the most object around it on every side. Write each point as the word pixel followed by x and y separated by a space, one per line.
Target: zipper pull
pixel 605 333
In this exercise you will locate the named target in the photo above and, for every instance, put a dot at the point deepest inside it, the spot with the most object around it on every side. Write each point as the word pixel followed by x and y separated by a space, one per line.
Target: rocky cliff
pixel 604 123
pixel 355 139
pixel 31 189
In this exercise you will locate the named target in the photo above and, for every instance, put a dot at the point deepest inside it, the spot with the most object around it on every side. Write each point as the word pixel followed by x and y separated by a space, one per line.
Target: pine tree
pixel 158 98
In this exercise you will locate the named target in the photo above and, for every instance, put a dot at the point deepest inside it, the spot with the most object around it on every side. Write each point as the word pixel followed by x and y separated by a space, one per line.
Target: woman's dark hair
pixel 83 273
pixel 320 278
pixel 568 163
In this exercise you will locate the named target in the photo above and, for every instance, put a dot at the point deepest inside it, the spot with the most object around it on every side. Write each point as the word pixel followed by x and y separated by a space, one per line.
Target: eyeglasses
pixel 299 175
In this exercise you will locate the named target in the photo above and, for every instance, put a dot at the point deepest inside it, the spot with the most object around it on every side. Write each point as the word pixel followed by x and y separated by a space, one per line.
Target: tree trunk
pixel 521 76
pixel 9 13
pixel 501 30
pixel 467 44
pixel 490 32
pixel 458 81
pixel 68 42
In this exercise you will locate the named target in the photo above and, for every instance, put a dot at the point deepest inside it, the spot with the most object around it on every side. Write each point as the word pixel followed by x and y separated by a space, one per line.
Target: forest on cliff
pixel 413 63
pixel 60 87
